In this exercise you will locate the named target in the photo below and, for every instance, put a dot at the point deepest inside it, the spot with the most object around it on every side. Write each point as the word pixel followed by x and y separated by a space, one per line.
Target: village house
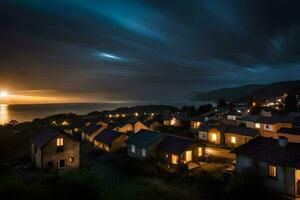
pixel 142 145
pixel 75 127
pixel 129 126
pixel 197 122
pixel 176 120
pixel 54 149
pixel 276 160
pixel 232 115
pixel 91 131
pixel 236 135
pixel 292 134
pixel 110 140
pixel 248 121
pixel 203 132
pixel 216 135
pixel 269 126
pixel 174 151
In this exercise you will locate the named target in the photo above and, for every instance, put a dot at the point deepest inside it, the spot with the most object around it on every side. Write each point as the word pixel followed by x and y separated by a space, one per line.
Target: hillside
pixel 259 92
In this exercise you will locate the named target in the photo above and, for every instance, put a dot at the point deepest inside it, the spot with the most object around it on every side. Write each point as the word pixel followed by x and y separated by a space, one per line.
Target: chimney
pixel 283 141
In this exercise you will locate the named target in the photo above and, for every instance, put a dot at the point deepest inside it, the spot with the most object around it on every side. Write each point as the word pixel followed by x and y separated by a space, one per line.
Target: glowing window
pixel 272 171
pixel 233 140
pixel 143 152
pixel 174 159
pixel 173 121
pixel 214 137
pixel 59 142
pixel 132 148
pixel 200 151
pixel 71 159
pixel 257 125
pixel 188 156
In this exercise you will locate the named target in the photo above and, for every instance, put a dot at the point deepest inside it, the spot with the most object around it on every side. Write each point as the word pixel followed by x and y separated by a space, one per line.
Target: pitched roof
pixel 144 138
pixel 204 128
pixel 45 136
pixel 269 150
pixel 274 120
pixel 92 128
pixel 108 136
pixel 292 131
pixel 119 124
pixel 174 144
pixel 198 118
pixel 250 118
pixel 242 131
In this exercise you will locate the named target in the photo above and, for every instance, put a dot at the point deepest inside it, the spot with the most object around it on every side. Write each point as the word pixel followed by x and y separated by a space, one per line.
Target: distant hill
pixel 258 92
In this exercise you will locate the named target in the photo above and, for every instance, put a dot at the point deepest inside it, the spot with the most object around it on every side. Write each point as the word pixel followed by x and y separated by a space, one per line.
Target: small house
pixel 236 135
pixel 176 120
pixel 276 160
pixel 269 126
pixel 216 135
pixel 203 132
pixel 292 134
pixel 91 131
pixel 174 150
pixel 53 149
pixel 110 140
pixel 248 121
pixel 142 145
pixel 197 122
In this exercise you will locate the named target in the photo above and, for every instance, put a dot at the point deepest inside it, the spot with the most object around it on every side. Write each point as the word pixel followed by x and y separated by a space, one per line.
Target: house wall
pixel 249 124
pixel 240 139
pixel 150 150
pixel 272 131
pixel 172 122
pixel 203 135
pixel 290 137
pixel 243 163
pixel 220 138
pixel 166 157
pixel 119 143
pixel 125 129
pixel 139 126
pixel 297 183
pixel 283 183
pixel 71 149
pixel 195 125
pixel 216 152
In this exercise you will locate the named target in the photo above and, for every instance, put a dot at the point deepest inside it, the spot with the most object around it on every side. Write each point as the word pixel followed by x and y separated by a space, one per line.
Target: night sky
pixel 151 50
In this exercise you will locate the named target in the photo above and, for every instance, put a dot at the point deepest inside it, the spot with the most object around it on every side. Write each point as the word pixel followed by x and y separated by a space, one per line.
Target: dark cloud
pixel 147 49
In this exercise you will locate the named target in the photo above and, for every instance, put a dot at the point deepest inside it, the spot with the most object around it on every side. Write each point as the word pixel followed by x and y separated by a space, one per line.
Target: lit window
pixel 174 159
pixel 143 152
pixel 65 123
pixel 173 121
pixel 214 137
pixel 59 142
pixel 233 140
pixel 257 125
pixel 132 148
pixel 71 159
pixel 200 151
pixel 167 156
pixel 272 171
pixel 188 156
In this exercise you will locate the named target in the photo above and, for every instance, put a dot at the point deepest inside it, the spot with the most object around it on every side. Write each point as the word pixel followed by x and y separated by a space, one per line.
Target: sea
pixel 28 112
